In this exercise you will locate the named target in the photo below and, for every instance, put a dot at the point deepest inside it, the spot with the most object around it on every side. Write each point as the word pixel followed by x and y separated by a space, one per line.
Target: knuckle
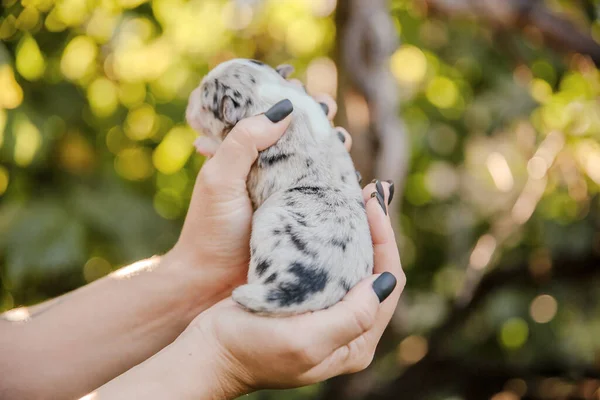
pixel 364 317
pixel 210 178
pixel 401 279
pixel 303 353
pixel 365 361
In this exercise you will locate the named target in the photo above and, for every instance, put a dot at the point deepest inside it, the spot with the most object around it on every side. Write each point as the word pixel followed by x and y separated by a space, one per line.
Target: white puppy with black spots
pixel 310 239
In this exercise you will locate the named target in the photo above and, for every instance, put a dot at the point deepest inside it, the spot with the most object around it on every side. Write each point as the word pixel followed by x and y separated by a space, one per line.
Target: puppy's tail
pixel 254 297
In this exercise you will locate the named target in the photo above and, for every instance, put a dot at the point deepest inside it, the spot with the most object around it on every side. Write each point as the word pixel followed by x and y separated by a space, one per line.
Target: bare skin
pixel 71 345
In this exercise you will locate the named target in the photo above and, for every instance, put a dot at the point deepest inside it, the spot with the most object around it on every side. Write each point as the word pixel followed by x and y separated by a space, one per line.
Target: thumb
pixel 353 316
pixel 239 150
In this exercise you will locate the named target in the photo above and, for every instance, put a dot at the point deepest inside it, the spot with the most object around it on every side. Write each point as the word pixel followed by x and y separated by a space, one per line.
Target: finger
pixel 357 353
pixel 239 150
pixel 206 146
pixel 386 259
pixel 328 104
pixel 383 191
pixel 344 136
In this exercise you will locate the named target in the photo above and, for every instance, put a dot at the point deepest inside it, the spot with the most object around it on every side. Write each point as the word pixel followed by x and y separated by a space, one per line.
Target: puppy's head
pixel 234 90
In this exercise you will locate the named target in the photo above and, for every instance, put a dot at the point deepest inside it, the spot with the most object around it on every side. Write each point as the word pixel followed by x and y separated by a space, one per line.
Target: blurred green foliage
pixel 97 163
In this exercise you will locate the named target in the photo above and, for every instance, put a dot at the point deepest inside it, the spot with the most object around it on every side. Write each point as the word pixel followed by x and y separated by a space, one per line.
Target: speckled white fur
pixel 310 237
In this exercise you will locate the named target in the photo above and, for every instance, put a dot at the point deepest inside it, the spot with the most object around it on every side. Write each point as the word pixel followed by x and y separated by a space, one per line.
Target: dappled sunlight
pixel 483 251
pixel 91 396
pixel 498 217
pixel 500 172
pixel 412 349
pixel 543 308
pixel 20 314
pixel 27 140
pixel 136 268
pixel 11 94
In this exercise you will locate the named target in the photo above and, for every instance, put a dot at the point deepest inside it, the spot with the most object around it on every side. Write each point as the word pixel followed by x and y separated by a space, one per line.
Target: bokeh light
pixel 514 333
pixel 500 205
pixel 543 308
pixel 412 349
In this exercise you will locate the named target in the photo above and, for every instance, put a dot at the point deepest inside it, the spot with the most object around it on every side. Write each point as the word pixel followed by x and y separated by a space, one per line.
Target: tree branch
pixel 556 31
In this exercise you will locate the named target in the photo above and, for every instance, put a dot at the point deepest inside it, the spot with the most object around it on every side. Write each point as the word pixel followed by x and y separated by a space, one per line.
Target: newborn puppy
pixel 310 238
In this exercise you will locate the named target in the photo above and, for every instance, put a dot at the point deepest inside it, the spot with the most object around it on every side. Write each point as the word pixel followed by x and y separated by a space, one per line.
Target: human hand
pixel 216 232
pixel 257 352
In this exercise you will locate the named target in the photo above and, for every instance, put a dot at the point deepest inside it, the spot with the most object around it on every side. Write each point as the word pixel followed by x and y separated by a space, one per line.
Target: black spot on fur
pixel 277 244
pixel 343 178
pixel 298 242
pixel 237 94
pixel 344 283
pixel 311 190
pixel 309 280
pixel 266 160
pixel 262 267
pixel 271 278
pixel 309 162
pixel 252 79
pixel 361 204
pixel 301 177
pixel 257 62
pixel 236 76
pixel 252 250
pixel 299 218
pixel 276 232
pixel 341 243
pixel 249 102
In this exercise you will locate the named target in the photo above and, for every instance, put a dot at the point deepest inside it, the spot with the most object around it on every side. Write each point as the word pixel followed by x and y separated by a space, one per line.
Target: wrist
pixel 215 375
pixel 182 370
pixel 195 283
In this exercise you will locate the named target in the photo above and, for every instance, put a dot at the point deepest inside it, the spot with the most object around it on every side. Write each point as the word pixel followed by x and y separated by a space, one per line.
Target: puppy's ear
pixel 285 70
pixel 231 110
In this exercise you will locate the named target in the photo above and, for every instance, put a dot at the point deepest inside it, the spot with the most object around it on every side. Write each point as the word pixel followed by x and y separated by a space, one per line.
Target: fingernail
pixel 341 136
pixel 391 192
pixel 279 111
pixel 325 108
pixel 358 176
pixel 380 201
pixel 384 285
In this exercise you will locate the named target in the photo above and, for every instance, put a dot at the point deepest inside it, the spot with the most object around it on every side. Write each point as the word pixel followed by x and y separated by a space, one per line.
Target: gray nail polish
pixel 279 111
pixel 384 285
pixel 325 108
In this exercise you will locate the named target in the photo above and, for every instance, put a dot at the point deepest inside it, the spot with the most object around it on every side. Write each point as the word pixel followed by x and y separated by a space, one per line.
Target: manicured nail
pixel 358 176
pixel 391 192
pixel 380 201
pixel 379 188
pixel 279 111
pixel 341 136
pixel 384 285
pixel 325 108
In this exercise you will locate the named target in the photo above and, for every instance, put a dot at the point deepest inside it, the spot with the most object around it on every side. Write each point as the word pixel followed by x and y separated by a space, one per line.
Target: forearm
pixel 186 369
pixel 99 331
